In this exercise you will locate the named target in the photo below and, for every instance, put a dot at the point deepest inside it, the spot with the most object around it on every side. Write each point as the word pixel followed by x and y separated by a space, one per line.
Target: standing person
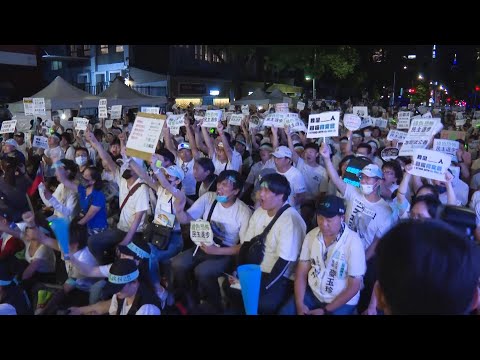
pixel 331 267
pixel 66 145
pixel 52 154
pixel 19 137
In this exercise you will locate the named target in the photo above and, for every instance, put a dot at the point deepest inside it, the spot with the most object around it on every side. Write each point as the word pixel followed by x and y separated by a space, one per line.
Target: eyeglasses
pixel 389 173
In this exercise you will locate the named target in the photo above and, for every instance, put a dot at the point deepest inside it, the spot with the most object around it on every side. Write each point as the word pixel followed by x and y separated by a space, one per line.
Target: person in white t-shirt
pixel 266 162
pixel 331 267
pixel 229 221
pixel 21 145
pixel 52 154
pixel 393 175
pixel 283 162
pixel 282 243
pixel 133 213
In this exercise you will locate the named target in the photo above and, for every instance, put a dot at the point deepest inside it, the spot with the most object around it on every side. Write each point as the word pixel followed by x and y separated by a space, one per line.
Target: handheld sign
pixel 102 109
pixel 212 117
pixel 236 119
pixel 351 122
pixel 108 124
pixel 430 164
pixel 361 111
pixel 144 136
pixel 28 106
pixel 40 142
pixel 39 106
pixel 353 169
pixel 8 127
pixel 80 123
pixel 300 105
pixel 389 153
pixel 323 125
pixel 419 134
pixel 404 120
pixel 281 108
pixel 449 147
pixel 116 112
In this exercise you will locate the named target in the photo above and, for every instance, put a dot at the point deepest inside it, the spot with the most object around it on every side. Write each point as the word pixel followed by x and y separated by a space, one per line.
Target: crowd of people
pixel 388 243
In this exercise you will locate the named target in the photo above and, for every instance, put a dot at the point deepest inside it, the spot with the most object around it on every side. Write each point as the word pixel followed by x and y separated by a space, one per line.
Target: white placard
pixel 8 127
pixel 80 123
pixel 28 106
pixel 396 135
pixel 231 108
pixel 201 233
pixel 295 123
pixel 300 105
pixel 236 119
pixel 389 153
pixel 198 118
pixel 381 123
pixel 175 122
pixel 366 122
pixel 361 111
pixel 151 110
pixel 245 110
pixel 255 122
pixel 226 116
pixel 23 122
pixel 145 133
pixel 351 122
pixel 108 124
pixel 419 134
pixel 323 125
pixel 275 119
pixel 116 112
pixel 39 106
pixel 281 108
pixel 427 115
pixel 40 142
pixel 102 109
pixel 102 103
pixel 404 120
pixel 430 164
pixel 212 117
pixel 449 147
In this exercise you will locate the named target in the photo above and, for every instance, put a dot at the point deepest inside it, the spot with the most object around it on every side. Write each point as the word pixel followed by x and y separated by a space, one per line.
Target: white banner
pixel 150 110
pixel 449 147
pixel 300 105
pixel 361 111
pixel 366 122
pixel 396 135
pixel 23 122
pixel 404 120
pixel 8 127
pixel 102 109
pixel 295 123
pixel 39 106
pixel 40 142
pixel 430 164
pixel 28 106
pixel 276 119
pixel 255 123
pixel 427 115
pixel 236 119
pixel 145 133
pixel 419 134
pixel 80 123
pixel 381 123
pixel 116 112
pixel 351 121
pixel 212 117
pixel 323 125
pixel 281 108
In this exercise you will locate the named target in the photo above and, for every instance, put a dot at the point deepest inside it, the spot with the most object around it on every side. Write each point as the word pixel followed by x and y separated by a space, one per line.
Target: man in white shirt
pixel 283 163
pixel 21 145
pixel 133 200
pixel 52 154
pixel 229 218
pixel 331 267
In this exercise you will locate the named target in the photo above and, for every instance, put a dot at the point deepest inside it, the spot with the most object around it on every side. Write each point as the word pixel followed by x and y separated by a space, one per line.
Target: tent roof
pixel 257 97
pixel 60 94
pixel 277 96
pixel 118 93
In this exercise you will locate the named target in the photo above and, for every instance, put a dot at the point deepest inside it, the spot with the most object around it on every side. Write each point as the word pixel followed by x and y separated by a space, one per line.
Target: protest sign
pixel 144 136
pixel 40 142
pixel 361 111
pixel 8 127
pixel 418 136
pixel 116 112
pixel 430 164
pixel 449 147
pixel 323 125
pixel 351 122
pixel 212 117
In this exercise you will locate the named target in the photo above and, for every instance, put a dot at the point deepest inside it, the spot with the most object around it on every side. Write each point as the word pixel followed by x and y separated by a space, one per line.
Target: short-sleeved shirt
pixel 165 203
pixel 229 225
pixel 316 178
pixel 96 198
pixel 43 253
pixel 297 185
pixel 331 266
pixel 235 164
pixel 284 240
pixel 368 219
pixel 188 183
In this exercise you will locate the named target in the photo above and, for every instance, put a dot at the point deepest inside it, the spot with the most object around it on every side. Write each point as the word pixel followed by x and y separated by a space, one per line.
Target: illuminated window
pixel 73 50
pixel 86 50
pixel 103 49
pixel 56 65
pixel 118 48
pixel 199 52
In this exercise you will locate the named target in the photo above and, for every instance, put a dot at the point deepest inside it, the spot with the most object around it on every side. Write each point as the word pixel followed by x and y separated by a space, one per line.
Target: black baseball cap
pixel 137 248
pixel 122 272
pixel 330 206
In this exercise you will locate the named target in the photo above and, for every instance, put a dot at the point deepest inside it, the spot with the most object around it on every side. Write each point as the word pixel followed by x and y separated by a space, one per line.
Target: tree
pixel 421 93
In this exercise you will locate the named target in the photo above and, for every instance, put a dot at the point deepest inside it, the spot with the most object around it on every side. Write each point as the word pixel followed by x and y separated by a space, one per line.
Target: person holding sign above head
pixel 367 214
pixel 134 203
pixel 221 152
pixel 52 154
pixel 228 218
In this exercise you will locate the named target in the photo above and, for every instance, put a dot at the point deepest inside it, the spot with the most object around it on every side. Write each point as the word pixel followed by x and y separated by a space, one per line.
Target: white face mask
pixel 367 189
pixel 107 176
pixel 368 133
pixel 81 160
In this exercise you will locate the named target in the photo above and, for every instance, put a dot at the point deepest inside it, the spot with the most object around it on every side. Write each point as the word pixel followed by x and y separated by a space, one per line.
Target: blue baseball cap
pixel 372 170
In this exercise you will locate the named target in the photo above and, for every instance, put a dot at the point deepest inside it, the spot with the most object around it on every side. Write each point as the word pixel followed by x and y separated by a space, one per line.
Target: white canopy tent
pixel 60 94
pixel 277 96
pixel 118 93
pixel 258 97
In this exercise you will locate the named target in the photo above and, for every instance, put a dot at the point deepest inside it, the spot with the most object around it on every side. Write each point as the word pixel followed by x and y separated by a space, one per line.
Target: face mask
pixel 368 133
pixel 440 189
pixel 127 174
pixel 81 160
pixel 222 199
pixel 367 189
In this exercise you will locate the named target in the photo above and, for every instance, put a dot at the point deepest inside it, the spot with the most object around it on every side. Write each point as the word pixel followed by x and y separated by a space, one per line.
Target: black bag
pixel 158 235
pixel 253 251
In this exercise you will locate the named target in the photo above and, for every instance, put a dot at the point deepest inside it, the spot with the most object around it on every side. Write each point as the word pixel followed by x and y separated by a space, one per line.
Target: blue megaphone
pixel 250 276
pixel 60 227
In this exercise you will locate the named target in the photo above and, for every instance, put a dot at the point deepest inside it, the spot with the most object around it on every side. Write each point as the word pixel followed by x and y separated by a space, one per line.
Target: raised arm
pixel 60 171
pixel 191 139
pixel 226 144
pixel 451 197
pixel 208 141
pixel 161 177
pixel 274 137
pixel 183 217
pixel 332 173
pixel 290 146
pixel 142 174
pixel 167 138
pixel 403 188
pixel 101 151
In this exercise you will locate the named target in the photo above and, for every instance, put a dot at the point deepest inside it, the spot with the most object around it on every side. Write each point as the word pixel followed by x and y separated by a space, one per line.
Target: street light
pixel 308 78
pixel 420 77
